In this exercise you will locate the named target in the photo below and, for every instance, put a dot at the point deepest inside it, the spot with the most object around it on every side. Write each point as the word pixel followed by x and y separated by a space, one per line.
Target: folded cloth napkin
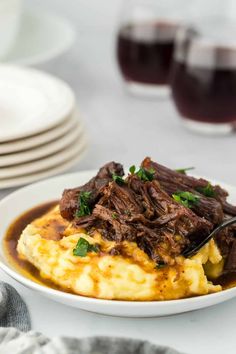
pixel 13 310
pixel 19 340
pixel 14 341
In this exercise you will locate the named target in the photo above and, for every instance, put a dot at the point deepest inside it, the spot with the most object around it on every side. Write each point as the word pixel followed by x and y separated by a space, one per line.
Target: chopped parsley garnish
pixel 144 174
pixel 132 169
pixel 160 265
pixel 118 179
pixel 83 208
pixel 184 170
pixel 208 190
pixel 114 216
pixel 83 247
pixel 187 199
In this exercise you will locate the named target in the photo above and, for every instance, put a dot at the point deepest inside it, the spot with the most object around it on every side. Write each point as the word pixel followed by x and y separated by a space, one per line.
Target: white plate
pixel 70 151
pixel 31 102
pixel 41 38
pixel 62 167
pixel 10 164
pixel 25 198
pixel 40 139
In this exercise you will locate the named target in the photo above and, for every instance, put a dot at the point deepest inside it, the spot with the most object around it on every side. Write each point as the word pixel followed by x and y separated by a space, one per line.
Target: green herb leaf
pixel 160 265
pixel 118 179
pixel 208 190
pixel 83 208
pixel 184 170
pixel 83 247
pixel 114 216
pixel 187 199
pixel 145 175
pixel 132 169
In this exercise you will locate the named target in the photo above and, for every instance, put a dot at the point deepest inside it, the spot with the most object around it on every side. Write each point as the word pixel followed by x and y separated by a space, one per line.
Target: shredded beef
pixel 214 209
pixel 230 264
pixel 70 197
pixel 172 182
pixel 146 213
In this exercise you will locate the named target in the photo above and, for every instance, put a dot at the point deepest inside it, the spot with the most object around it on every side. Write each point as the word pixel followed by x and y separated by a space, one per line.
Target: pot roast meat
pixel 172 182
pixel 192 182
pixel 213 209
pixel 146 213
pixel 228 208
pixel 85 222
pixel 162 233
pixel 108 170
pixel 70 197
pixel 121 231
pixel 225 240
pixel 230 264
pixel 188 223
pixel 121 199
pixel 69 203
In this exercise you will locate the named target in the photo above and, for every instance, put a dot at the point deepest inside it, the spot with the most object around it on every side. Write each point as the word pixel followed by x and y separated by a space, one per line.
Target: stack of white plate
pixel 41 133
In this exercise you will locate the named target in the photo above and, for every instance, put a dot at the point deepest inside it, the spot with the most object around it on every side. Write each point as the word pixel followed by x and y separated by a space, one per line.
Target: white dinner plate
pixel 41 37
pixel 20 201
pixel 52 171
pixel 39 139
pixel 12 163
pixel 47 162
pixel 31 102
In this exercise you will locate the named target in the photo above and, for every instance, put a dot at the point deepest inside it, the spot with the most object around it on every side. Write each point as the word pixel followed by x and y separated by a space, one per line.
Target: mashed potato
pixel 130 276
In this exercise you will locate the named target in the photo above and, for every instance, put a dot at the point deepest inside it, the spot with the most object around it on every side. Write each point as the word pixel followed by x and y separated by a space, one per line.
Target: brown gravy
pixel 13 234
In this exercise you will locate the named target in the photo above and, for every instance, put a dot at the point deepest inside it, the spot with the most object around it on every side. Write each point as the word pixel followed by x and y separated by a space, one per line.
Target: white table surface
pixel 125 129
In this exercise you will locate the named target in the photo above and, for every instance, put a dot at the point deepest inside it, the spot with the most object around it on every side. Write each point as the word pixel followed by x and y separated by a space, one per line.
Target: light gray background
pixel 126 129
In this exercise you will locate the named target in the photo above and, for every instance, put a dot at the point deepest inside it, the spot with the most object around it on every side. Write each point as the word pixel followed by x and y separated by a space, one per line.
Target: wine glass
pixel 203 77
pixel 145 44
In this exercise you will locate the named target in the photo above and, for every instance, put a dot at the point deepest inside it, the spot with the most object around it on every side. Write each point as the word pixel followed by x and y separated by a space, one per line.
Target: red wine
pixel 145 52
pixel 205 94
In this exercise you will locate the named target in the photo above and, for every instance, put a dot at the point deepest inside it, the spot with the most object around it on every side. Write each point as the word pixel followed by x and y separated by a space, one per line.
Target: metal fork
pixel 191 250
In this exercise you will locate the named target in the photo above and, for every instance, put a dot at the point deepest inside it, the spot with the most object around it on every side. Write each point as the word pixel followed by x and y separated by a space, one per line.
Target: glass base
pixel 145 90
pixel 209 128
